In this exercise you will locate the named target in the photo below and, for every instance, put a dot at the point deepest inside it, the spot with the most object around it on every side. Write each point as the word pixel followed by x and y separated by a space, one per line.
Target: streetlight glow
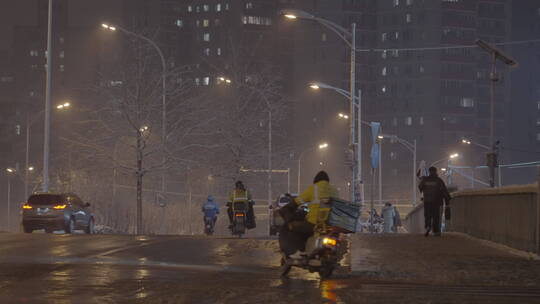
pixel 105 25
pixel 454 155
pixel 10 170
pixel 290 16
pixel 466 141
pixel 144 128
pixel 314 86
pixel 323 146
pixel 30 168
pixel 343 116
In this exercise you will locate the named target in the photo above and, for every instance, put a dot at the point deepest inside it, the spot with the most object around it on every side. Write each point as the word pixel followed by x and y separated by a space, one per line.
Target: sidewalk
pixel 454 259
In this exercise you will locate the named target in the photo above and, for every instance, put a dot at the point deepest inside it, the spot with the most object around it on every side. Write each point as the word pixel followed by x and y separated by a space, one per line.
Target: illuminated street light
pixel 380 137
pixel 323 146
pixel 10 170
pixel 30 168
pixel 290 16
pixel 64 105
pixel 321 163
pixel 144 128
pixel 109 27
pixel 343 116
pixel 454 155
pixel 314 86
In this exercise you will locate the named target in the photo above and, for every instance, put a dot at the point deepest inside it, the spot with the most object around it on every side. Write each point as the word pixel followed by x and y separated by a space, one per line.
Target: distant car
pixel 53 212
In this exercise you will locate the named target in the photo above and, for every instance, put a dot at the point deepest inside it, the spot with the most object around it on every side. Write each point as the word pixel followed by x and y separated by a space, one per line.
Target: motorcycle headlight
pixel 329 242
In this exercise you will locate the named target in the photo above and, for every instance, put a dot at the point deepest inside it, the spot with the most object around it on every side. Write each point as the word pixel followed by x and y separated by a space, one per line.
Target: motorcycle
pixel 239 212
pixel 323 253
pixel 208 225
pixel 324 249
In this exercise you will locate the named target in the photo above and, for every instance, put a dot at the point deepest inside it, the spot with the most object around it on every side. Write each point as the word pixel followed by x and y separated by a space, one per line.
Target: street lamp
pixel 349 37
pixel 113 28
pixel 29 123
pixel 358 124
pixel 10 172
pixel 343 116
pixel 411 146
pixel 496 54
pixel 321 147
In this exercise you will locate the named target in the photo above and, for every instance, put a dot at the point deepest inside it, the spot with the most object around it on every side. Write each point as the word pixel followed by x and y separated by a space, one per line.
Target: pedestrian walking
pixel 397 220
pixel 435 194
pixel 388 213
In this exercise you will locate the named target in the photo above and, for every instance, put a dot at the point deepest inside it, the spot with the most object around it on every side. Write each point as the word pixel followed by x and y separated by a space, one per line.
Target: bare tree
pixel 125 114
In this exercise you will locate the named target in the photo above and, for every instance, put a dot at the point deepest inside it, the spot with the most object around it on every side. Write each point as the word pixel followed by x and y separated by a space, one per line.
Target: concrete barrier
pixel 414 221
pixel 507 215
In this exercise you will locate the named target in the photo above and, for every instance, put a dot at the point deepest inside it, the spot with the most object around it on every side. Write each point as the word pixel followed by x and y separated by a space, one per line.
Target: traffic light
pixel 491 160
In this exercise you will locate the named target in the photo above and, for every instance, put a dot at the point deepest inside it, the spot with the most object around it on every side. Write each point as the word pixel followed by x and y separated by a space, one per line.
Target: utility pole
pixel 48 93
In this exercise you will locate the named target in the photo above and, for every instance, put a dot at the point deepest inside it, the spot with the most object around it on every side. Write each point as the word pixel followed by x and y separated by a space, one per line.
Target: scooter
pixel 239 212
pixel 324 249
pixel 323 253
pixel 208 225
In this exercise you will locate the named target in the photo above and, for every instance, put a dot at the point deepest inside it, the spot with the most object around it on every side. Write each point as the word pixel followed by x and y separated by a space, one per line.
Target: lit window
pixel 34 53
pixel 206 80
pixel 206 7
pixel 226 6
pixel 383 89
pixel 206 36
pixel 197 81
pixel 62 54
pixel 206 23
pixel 408 121
pixel 62 68
pixel 421 120
pixel 396 3
pixel 383 72
pixel 396 35
pixel 179 23
pixel 249 5
pixel 383 37
pixel 383 54
pixel 218 51
pixel 18 129
pixel 393 155
pixel 408 18
pixel 218 7
pixel 466 102
pixel 206 51
pixel 190 8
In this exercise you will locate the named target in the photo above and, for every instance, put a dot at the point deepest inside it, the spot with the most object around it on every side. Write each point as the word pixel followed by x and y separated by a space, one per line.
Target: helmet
pixel 239 185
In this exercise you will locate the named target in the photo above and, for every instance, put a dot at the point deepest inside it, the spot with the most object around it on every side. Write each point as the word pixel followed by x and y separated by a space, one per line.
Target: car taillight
pixel 60 207
pixel 239 214
pixel 329 242
pixel 26 206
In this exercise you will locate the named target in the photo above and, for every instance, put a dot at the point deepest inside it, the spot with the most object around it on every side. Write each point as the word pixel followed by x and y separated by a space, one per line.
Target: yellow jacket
pixel 238 195
pixel 315 213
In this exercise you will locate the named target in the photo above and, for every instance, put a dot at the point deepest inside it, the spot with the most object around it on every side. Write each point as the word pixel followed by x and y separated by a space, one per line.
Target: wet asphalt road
pixel 44 268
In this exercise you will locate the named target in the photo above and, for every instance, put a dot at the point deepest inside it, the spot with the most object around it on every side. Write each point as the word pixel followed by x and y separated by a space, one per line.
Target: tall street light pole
pixel 350 39
pixel 163 87
pixel 495 55
pixel 358 124
pixel 411 146
pixel 48 93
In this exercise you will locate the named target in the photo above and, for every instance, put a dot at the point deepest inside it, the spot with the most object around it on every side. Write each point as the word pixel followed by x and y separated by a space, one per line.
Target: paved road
pixel 44 268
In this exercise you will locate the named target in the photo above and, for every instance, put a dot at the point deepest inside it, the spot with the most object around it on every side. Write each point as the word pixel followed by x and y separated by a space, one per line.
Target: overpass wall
pixel 506 215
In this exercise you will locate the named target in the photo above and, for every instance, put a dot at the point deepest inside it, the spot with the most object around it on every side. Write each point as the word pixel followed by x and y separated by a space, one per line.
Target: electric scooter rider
pixel 293 237
pixel 210 209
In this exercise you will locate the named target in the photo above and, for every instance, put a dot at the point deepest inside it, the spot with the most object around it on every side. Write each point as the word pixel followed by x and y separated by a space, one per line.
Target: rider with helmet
pixel 237 195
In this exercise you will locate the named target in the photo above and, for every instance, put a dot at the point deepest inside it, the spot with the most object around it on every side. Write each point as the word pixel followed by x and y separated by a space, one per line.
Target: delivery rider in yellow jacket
pixel 300 231
pixel 239 194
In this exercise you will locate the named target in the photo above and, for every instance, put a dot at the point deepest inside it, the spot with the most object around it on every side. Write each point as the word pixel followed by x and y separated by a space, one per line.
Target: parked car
pixel 52 212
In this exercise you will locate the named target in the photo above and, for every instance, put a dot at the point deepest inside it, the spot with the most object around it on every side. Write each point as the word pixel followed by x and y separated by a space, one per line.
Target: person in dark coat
pixel 435 193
